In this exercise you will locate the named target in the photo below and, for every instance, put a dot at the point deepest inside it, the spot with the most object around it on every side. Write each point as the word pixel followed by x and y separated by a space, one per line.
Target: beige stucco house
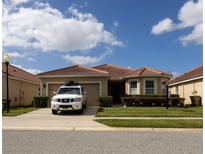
pixel 188 84
pixel 106 80
pixel 23 86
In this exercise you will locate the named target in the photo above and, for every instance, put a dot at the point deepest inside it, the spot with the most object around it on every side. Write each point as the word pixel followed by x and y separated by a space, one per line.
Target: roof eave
pixel 184 81
pixel 134 76
pixel 55 76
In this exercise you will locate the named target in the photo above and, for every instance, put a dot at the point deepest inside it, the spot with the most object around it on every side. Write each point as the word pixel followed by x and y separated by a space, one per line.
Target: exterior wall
pixel 20 92
pixel 141 84
pixel 103 81
pixel 186 89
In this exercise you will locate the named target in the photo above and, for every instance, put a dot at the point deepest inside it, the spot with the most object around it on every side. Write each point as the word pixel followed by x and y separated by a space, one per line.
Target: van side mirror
pixel 84 93
pixel 54 93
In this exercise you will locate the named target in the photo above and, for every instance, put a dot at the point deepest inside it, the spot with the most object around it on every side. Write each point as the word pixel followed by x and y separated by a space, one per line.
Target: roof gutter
pixel 61 76
pixel 180 82
pixel 24 80
pixel 166 76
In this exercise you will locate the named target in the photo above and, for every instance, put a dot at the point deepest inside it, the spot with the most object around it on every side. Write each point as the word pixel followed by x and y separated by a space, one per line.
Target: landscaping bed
pixel 153 123
pixel 18 111
pixel 149 112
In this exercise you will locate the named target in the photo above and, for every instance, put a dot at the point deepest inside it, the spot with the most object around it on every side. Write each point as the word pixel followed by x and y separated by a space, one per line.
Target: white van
pixel 69 98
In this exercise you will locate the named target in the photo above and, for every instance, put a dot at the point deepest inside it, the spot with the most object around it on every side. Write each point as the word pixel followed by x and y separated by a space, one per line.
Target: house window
pixel 164 87
pixel 149 86
pixel 133 87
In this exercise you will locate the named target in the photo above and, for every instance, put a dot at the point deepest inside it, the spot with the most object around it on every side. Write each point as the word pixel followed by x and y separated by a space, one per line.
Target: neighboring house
pixel 23 86
pixel 188 84
pixel 106 80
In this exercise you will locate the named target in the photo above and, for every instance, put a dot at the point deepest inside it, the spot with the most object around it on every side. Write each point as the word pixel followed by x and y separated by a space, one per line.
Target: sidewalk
pixel 106 129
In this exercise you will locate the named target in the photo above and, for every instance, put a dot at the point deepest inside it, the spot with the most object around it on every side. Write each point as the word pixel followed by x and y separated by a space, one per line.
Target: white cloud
pixel 18 55
pixel 16 2
pixel 195 36
pixel 30 70
pixel 86 60
pixel 31 59
pixel 175 74
pixel 115 24
pixel 44 27
pixel 190 15
pixel 166 25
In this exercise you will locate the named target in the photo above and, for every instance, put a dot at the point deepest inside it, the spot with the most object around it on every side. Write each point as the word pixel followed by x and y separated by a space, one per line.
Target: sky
pixel 44 35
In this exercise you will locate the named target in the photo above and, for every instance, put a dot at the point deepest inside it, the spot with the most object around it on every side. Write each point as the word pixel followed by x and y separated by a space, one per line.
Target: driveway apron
pixel 43 118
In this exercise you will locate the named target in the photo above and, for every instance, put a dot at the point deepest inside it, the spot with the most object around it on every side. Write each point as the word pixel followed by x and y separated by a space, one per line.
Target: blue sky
pixel 45 35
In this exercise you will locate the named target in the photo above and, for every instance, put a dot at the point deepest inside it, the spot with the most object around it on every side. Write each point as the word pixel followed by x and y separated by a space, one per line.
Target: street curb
pixel 111 129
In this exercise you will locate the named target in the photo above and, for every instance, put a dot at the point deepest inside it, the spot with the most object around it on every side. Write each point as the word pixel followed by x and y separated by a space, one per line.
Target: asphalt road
pixel 84 142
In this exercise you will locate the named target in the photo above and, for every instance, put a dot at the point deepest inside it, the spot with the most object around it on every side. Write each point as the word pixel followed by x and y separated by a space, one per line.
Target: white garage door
pixel 92 92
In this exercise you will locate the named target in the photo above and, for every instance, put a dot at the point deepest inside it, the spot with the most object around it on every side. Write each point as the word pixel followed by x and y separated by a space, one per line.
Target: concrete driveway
pixel 43 119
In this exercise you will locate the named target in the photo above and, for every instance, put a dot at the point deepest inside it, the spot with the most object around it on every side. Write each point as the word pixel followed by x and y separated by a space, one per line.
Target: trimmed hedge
pixel 40 101
pixel 146 95
pixel 151 100
pixel 174 95
pixel 105 101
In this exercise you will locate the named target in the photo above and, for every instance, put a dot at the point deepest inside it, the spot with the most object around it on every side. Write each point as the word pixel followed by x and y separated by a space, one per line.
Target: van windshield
pixel 69 91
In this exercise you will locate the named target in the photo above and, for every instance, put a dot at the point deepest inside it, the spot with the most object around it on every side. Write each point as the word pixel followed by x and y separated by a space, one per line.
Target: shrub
pixel 4 104
pixel 146 95
pixel 40 101
pixel 105 101
pixel 177 102
pixel 151 100
pixel 174 95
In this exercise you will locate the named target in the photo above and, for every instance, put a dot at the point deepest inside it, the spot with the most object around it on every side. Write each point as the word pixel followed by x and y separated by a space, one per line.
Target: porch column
pixel 141 85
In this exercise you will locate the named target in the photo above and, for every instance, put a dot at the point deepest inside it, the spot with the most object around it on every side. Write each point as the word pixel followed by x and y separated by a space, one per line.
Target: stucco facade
pixel 94 86
pixel 21 92
pixel 159 87
pixel 187 89
pixel 104 80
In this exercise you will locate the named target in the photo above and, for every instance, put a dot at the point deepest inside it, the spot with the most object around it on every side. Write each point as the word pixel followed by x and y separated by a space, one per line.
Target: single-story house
pixel 23 86
pixel 106 80
pixel 188 84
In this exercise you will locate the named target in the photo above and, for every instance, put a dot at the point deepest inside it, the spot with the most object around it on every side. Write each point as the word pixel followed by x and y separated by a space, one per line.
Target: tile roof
pixel 19 73
pixel 75 70
pixel 197 72
pixel 114 71
pixel 106 69
pixel 144 71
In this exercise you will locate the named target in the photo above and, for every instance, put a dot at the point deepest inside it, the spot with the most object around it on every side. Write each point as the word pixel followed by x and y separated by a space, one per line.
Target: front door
pixel 115 92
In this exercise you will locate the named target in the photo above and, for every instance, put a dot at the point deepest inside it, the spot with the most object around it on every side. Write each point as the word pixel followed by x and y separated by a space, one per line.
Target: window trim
pixel 135 89
pixel 164 87
pixel 150 79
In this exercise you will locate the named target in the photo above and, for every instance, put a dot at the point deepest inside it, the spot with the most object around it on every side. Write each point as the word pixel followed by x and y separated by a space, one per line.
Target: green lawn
pixel 18 111
pixel 149 112
pixel 153 123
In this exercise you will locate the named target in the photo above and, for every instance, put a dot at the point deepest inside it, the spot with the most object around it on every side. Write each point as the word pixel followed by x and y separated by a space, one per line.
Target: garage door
pixel 91 89
pixel 92 93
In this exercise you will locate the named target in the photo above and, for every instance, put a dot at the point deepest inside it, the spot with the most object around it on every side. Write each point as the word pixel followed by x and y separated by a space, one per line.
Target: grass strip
pixel 18 111
pixel 152 123
pixel 149 112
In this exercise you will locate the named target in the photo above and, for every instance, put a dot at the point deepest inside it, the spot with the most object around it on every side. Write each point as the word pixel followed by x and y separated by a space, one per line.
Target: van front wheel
pixel 54 111
pixel 80 111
